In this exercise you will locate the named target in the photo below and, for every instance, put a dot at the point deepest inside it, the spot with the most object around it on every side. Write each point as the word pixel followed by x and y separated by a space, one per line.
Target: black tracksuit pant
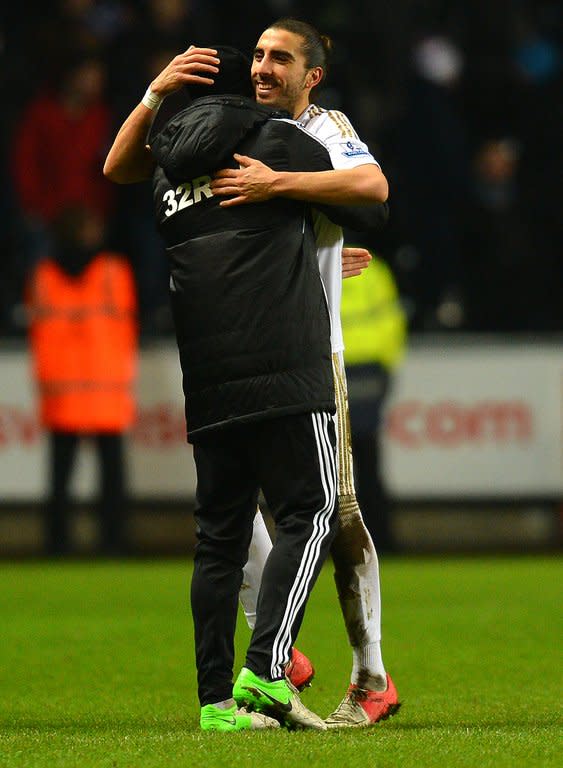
pixel 292 460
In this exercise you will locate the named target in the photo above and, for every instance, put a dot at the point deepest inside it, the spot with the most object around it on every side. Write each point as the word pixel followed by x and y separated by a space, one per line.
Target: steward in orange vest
pixel 83 333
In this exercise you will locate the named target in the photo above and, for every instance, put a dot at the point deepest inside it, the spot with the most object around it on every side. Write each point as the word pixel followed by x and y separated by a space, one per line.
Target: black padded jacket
pixel 249 308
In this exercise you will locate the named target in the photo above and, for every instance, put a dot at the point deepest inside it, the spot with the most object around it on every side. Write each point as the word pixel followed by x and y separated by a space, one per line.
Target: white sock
pixel 258 552
pixel 367 667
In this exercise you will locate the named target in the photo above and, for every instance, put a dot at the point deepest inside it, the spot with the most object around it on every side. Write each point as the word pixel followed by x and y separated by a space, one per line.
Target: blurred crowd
pixel 460 101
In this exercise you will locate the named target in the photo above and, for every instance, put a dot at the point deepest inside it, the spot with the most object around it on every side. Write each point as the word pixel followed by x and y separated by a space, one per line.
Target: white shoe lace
pixel 302 716
pixel 348 711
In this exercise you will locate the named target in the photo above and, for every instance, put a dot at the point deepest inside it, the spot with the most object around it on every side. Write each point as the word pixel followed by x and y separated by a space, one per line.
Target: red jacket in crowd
pixel 58 158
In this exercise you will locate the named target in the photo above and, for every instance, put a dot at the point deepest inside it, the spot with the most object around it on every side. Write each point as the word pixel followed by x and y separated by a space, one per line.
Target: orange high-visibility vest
pixel 83 334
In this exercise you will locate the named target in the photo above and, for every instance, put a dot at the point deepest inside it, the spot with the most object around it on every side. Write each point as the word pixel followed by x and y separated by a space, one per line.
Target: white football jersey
pixel 346 151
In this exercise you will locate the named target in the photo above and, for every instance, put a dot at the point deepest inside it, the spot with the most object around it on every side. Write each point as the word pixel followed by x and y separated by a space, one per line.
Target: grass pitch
pixel 96 669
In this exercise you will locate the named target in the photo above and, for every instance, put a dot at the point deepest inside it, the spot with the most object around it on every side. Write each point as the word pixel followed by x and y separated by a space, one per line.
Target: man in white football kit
pixel 289 60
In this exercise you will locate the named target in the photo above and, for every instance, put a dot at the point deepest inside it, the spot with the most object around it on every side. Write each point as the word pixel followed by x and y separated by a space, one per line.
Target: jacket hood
pixel 232 78
pixel 203 137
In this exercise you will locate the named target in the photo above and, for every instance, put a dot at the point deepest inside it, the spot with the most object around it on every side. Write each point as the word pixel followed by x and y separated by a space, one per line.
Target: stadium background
pixel 459 102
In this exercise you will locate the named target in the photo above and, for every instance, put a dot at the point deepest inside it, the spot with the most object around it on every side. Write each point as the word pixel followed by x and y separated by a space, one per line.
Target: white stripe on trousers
pixel 321 529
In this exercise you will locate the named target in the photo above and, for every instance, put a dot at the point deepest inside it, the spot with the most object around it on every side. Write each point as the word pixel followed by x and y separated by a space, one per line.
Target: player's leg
pixel 298 479
pixel 300 671
pixel 355 558
pixel 260 547
pixel 227 493
pixel 357 582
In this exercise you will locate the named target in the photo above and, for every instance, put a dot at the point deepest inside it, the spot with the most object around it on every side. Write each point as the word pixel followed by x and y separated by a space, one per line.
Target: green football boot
pixel 233 719
pixel 278 698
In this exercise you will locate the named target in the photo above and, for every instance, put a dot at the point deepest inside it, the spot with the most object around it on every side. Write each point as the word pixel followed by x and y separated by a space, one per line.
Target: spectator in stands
pixel 59 147
pixel 428 125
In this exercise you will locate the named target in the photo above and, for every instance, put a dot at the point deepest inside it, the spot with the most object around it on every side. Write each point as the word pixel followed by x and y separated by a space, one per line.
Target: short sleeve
pixel 345 147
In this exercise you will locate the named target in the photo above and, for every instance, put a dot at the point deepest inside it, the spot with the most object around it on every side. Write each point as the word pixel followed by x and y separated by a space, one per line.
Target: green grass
pixel 96 669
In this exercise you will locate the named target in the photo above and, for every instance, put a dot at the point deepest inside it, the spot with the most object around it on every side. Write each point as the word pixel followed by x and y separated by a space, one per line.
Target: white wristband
pixel 152 100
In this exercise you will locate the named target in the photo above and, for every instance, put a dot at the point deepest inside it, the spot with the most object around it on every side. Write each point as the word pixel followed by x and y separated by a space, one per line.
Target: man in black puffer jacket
pixel 254 338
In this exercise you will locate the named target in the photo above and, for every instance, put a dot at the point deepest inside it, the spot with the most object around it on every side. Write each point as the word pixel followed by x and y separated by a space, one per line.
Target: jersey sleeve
pixel 343 143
